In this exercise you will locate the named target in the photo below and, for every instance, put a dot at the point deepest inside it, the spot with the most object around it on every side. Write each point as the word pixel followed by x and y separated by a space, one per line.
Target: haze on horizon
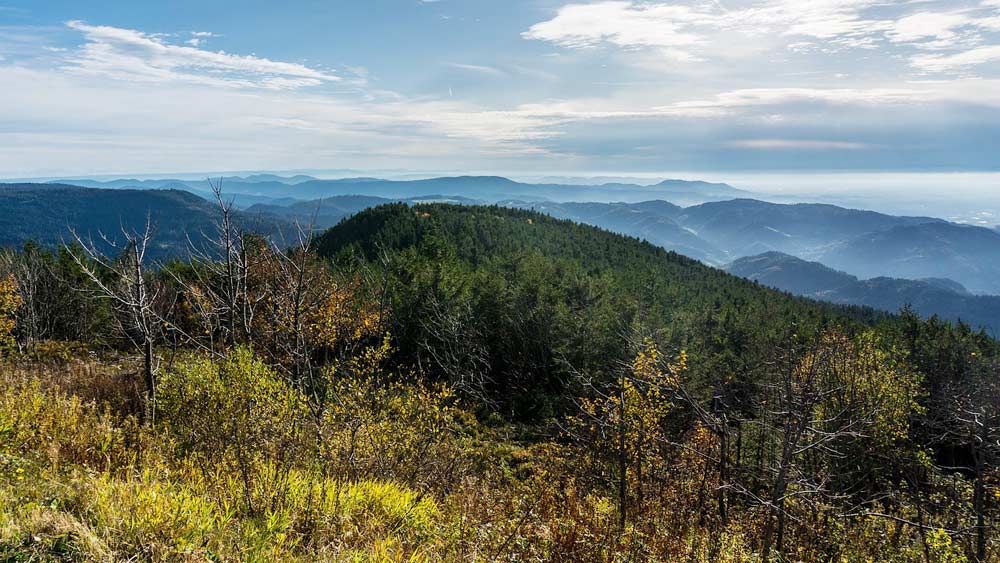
pixel 764 94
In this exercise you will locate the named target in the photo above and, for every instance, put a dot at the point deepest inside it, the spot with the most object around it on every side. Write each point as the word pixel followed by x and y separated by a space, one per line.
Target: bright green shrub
pixel 237 420
pixel 391 430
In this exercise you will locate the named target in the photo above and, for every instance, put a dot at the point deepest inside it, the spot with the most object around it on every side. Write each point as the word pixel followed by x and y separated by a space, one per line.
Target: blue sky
pixel 546 86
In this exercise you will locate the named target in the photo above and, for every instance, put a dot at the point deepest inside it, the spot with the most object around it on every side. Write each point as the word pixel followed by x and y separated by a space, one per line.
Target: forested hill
pixel 538 300
pixel 49 214
pixel 482 235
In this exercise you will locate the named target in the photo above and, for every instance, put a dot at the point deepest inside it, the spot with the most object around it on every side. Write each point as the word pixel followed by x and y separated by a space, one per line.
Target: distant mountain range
pixel 746 227
pixel 942 297
pixel 970 255
pixel 257 189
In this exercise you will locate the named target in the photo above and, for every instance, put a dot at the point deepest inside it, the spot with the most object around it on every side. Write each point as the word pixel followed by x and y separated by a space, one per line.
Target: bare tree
pixel 454 342
pixel 299 285
pixel 972 425
pixel 27 273
pixel 124 282
pixel 816 414
pixel 222 265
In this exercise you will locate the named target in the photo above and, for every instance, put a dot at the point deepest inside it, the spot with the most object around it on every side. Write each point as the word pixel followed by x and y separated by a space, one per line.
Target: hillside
pixel 544 297
pixel 323 213
pixel 969 255
pixel 47 213
pixel 941 297
pixel 862 243
pixel 791 274
pixel 653 221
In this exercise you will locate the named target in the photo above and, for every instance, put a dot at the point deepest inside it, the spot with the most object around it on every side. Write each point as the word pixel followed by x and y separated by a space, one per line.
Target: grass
pixel 235 470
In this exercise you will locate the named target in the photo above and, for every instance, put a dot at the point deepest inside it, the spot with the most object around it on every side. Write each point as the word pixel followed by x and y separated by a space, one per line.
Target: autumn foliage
pixel 439 390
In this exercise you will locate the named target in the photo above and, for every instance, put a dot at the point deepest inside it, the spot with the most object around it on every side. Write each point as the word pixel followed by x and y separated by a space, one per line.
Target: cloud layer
pixel 606 85
pixel 706 30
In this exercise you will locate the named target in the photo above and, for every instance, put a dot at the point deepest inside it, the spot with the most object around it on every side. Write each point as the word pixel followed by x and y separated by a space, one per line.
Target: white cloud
pixel 796 144
pixel 928 25
pixel 822 19
pixel 623 23
pixel 976 92
pixel 709 31
pixel 479 69
pixel 686 30
pixel 199 38
pixel 133 55
pixel 760 97
pixel 958 61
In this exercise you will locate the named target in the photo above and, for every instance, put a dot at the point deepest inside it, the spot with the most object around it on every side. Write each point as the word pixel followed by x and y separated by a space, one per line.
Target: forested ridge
pixel 456 383
pixel 548 297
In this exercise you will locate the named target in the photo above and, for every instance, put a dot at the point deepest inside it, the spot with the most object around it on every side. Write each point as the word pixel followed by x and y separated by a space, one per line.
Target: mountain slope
pixel 535 303
pixel 46 213
pixel 791 274
pixel 861 243
pixel 651 221
pixel 970 255
pixel 944 298
pixel 747 227
pixel 323 213
pixel 698 191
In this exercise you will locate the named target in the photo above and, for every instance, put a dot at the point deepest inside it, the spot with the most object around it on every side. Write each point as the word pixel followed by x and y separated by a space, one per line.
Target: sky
pixel 502 86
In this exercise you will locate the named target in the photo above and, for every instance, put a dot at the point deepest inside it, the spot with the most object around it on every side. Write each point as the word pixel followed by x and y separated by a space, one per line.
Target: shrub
pixel 235 418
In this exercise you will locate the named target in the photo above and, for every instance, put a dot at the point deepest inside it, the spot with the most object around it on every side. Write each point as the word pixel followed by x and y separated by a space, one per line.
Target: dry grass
pixel 391 472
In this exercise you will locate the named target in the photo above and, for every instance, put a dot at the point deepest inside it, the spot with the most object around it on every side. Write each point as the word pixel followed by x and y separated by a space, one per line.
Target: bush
pixel 235 418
